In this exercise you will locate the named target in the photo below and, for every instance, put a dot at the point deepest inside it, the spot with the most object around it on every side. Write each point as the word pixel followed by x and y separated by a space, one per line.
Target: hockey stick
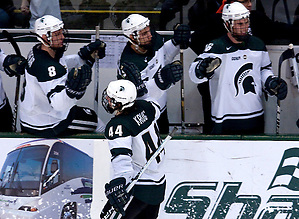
pixel 18 52
pixel 108 210
pixel 182 82
pixel 285 55
pixel 97 72
pixel 294 65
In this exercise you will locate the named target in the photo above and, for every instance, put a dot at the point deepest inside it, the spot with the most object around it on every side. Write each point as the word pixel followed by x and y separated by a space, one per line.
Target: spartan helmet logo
pixel 248 85
pixel 246 80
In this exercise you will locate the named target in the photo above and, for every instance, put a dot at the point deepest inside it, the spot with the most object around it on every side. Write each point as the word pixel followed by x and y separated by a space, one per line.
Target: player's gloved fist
pixel 117 195
pixel 14 65
pixel 88 53
pixel 206 67
pixel 182 35
pixel 169 74
pixel 129 71
pixel 276 86
pixel 77 81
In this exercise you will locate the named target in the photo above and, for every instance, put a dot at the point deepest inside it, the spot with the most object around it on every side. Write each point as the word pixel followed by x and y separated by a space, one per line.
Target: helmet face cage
pixel 56 37
pixel 143 37
pixel 108 103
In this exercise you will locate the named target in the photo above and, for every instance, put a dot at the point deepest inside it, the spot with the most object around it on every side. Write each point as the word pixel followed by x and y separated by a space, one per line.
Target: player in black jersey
pixel 133 137
pixel 146 54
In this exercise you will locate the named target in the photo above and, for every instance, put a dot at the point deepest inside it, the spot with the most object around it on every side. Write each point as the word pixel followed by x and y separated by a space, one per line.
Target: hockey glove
pixel 14 65
pixel 77 81
pixel 276 86
pixel 181 36
pixel 88 53
pixel 169 74
pixel 206 67
pixel 130 71
pixel 117 195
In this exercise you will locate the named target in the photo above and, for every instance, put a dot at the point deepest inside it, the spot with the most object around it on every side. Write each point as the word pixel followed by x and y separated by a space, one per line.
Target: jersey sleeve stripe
pixel 120 151
pixel 57 89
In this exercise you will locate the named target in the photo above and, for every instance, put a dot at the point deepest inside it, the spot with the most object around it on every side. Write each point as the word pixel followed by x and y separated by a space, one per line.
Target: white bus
pixel 46 179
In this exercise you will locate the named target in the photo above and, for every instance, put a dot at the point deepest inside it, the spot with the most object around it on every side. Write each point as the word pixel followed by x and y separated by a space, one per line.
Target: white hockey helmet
pixel 234 11
pixel 119 94
pixel 47 24
pixel 133 24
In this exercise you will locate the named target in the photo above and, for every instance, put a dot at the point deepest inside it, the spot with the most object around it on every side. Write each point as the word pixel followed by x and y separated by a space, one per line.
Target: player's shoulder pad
pixel 255 43
pixel 43 66
pixel 117 127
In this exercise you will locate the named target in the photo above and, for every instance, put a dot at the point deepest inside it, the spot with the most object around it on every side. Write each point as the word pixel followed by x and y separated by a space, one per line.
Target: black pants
pixel 79 120
pixel 6 120
pixel 140 210
pixel 163 123
pixel 252 126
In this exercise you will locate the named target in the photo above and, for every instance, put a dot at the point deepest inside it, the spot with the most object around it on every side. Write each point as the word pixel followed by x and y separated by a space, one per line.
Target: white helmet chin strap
pixel 136 45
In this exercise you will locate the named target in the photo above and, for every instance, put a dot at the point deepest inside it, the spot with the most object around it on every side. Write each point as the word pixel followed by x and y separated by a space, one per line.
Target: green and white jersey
pixel 2 92
pixel 237 85
pixel 161 54
pixel 133 138
pixel 44 102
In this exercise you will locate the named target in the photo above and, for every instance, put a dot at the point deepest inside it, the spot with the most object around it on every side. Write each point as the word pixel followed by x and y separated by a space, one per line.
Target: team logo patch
pixel 243 78
pixel 209 46
pixel 87 111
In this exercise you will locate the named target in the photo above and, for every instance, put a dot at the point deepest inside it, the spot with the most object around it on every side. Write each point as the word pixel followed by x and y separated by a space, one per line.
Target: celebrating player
pixel 146 61
pixel 133 136
pixel 238 68
pixel 54 83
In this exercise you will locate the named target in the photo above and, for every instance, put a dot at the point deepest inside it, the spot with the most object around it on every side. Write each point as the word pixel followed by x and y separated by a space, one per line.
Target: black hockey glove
pixel 14 65
pixel 182 35
pixel 206 67
pixel 88 52
pixel 276 86
pixel 129 71
pixel 117 195
pixel 77 81
pixel 169 74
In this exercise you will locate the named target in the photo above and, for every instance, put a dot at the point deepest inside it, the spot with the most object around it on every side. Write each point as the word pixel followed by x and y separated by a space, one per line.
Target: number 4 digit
pixel 149 146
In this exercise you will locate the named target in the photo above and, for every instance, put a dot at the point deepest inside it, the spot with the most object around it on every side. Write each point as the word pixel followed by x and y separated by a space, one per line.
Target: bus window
pixel 52 174
pixel 21 172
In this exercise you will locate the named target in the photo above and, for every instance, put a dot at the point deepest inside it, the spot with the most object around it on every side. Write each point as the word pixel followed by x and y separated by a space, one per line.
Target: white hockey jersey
pixel 237 85
pixel 44 102
pixel 150 63
pixel 133 138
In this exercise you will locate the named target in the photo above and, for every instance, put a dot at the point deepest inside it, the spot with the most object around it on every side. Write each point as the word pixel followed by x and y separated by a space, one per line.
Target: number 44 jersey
pixel 133 138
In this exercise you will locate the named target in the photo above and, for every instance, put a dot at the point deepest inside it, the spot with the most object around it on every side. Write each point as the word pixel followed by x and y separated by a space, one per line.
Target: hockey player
pixel 13 65
pixel 133 136
pixel 54 83
pixel 145 55
pixel 236 86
